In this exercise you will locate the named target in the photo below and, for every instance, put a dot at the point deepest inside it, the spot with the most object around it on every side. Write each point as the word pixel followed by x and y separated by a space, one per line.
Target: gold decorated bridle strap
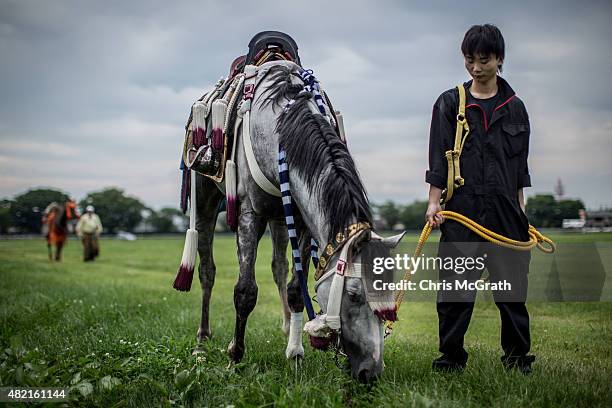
pixel 337 243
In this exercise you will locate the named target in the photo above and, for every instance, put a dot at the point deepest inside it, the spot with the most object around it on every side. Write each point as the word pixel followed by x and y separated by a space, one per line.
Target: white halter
pixel 323 324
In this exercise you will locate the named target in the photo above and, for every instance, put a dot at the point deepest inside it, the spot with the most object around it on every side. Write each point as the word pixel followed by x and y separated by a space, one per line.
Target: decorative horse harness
pixel 205 150
pixel 322 328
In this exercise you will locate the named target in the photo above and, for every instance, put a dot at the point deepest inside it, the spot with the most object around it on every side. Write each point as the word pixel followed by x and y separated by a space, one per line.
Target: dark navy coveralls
pixel 494 167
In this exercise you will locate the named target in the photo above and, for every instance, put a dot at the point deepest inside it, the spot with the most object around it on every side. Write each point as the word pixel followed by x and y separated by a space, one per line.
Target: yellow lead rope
pixel 536 239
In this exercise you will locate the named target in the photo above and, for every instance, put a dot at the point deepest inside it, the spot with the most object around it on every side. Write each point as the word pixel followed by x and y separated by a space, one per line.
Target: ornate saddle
pixel 206 131
pixel 209 130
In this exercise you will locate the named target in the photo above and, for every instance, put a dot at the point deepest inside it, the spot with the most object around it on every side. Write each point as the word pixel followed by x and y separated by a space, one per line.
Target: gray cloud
pixel 97 93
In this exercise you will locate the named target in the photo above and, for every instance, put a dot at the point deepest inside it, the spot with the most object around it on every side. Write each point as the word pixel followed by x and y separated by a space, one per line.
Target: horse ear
pixel 392 242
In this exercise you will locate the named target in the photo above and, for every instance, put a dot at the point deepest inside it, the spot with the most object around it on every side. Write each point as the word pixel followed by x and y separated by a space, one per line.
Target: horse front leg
pixel 208 198
pixel 58 251
pixel 295 348
pixel 280 266
pixel 250 230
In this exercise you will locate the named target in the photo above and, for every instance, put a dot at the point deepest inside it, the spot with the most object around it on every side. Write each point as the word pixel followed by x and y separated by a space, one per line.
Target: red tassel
pixel 217 139
pixel 184 278
pixel 389 315
pixel 219 108
pixel 320 343
pixel 231 213
pixel 198 137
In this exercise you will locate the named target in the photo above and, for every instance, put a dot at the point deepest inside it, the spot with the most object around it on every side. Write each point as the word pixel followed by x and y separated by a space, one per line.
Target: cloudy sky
pixel 96 94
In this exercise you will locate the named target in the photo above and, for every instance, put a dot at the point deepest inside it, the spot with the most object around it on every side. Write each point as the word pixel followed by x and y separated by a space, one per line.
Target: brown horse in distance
pixel 55 220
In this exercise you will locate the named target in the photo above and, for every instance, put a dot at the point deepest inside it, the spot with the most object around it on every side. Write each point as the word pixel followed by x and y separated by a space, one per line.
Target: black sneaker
pixel 446 364
pixel 521 363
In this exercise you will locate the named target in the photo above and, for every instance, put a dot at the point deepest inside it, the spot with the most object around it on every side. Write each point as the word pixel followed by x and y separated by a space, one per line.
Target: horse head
pixel 361 311
pixel 65 212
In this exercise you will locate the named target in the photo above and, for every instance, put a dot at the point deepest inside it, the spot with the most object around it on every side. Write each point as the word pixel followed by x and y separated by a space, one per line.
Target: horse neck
pixel 309 201
pixel 61 216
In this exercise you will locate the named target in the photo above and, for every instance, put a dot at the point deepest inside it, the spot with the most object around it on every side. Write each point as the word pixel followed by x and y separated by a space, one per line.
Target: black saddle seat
pixel 269 39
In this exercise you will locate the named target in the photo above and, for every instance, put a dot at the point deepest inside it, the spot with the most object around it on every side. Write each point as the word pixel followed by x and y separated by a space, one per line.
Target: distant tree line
pixel 392 216
pixel 543 211
pixel 117 211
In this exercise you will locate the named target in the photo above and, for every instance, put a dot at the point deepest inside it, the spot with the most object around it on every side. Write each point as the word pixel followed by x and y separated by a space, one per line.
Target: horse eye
pixel 354 297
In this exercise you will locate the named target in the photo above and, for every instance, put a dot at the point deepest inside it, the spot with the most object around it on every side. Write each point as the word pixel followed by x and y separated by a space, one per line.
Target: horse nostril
pixel 364 376
pixel 368 372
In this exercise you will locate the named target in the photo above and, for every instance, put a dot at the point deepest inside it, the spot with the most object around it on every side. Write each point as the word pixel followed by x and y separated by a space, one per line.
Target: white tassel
pixel 184 277
pixel 199 115
pixel 219 108
pixel 198 124
pixel 231 194
pixel 341 126
pixel 231 183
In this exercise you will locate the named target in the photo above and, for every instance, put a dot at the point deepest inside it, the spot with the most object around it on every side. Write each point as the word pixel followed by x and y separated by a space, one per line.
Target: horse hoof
pixel 236 353
pixel 203 335
pixel 198 350
pixel 294 351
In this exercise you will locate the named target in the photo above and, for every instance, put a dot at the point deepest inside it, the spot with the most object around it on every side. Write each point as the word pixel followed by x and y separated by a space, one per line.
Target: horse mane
pixel 314 149
pixel 61 219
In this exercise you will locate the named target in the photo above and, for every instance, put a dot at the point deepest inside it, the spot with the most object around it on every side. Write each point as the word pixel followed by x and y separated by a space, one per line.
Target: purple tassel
pixel 219 108
pixel 320 343
pixel 185 188
pixel 323 343
pixel 198 137
pixel 230 196
pixel 184 278
pixel 389 315
pixel 231 213
pixel 217 139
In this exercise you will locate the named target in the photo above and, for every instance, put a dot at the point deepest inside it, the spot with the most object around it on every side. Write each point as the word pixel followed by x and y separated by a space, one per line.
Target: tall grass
pixel 117 334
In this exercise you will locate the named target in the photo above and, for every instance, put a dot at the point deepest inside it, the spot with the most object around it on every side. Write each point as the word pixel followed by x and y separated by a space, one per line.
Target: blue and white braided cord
pixel 311 85
pixel 314 252
pixel 293 236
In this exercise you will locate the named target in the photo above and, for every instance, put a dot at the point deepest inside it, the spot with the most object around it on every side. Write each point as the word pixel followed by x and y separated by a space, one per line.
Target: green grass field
pixel 119 335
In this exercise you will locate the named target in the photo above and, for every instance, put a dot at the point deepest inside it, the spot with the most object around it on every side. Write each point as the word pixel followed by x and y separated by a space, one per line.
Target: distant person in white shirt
pixel 89 229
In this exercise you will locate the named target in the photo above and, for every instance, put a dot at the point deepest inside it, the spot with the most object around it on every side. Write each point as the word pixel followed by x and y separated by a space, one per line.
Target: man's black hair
pixel 485 40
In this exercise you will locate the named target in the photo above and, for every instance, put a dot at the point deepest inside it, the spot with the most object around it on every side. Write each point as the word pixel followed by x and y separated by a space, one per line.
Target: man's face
pixel 482 67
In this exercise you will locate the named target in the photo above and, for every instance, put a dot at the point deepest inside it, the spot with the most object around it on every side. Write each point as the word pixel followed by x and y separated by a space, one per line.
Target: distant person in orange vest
pixel 89 229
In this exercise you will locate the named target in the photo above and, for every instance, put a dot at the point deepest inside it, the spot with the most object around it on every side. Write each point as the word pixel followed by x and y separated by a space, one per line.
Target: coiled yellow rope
pixel 536 239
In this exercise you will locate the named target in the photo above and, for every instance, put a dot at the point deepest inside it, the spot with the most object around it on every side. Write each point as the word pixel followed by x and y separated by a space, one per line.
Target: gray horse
pixel 329 197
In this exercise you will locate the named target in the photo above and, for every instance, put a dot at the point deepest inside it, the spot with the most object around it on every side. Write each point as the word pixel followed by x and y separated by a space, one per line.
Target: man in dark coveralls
pixel 493 164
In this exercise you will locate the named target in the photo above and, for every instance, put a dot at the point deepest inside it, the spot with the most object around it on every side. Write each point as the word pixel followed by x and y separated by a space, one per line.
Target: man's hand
pixel 521 198
pixel 432 215
pixel 434 207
